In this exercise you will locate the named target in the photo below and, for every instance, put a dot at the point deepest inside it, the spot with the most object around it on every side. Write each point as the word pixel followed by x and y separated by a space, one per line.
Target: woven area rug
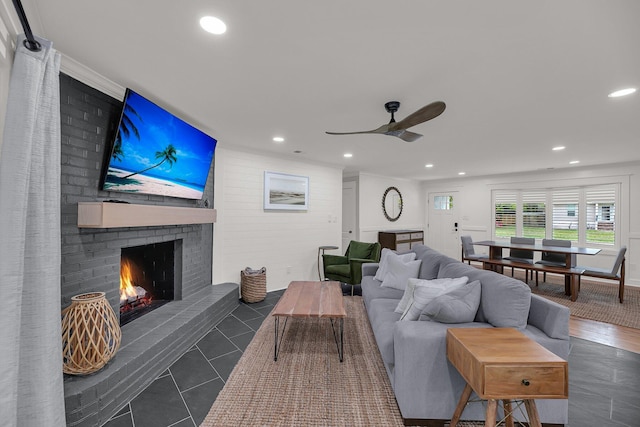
pixel 596 300
pixel 308 386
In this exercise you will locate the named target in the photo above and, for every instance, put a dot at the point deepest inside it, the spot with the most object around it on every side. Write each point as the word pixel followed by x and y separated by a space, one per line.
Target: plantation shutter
pixel 600 214
pixel 505 213
pixel 566 213
pixel 534 214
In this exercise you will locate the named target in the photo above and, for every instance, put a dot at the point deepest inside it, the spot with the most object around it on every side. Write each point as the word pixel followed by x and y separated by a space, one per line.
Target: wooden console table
pixel 400 240
pixel 503 364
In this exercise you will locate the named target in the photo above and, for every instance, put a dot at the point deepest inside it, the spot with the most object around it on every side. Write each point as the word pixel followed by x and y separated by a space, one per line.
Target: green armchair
pixel 348 268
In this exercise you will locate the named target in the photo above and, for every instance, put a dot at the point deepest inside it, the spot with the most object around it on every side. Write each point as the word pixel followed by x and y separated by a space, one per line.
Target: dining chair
pixel 468 253
pixel 522 255
pixel 552 258
pixel 616 273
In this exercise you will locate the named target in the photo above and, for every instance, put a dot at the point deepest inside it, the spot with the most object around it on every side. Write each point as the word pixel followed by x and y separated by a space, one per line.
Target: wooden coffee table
pixel 311 299
pixel 504 364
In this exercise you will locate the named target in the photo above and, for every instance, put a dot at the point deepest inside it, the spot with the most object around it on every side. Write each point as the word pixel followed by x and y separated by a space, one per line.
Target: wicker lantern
pixel 90 334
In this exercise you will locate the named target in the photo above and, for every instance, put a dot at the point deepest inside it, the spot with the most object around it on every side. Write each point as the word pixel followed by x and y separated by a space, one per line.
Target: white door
pixel 349 218
pixel 443 222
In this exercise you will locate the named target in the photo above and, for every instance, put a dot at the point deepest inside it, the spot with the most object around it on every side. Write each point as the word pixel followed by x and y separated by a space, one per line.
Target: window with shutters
pixel 505 214
pixel 566 214
pixel 534 214
pixel 601 214
pixel 584 215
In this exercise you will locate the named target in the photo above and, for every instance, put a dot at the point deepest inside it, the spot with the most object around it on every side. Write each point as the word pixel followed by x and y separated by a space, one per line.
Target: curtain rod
pixel 30 43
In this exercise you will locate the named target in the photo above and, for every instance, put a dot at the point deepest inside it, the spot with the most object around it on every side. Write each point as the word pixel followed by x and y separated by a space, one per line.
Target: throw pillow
pixel 458 305
pixel 444 284
pixel 399 273
pixel 424 293
pixel 387 253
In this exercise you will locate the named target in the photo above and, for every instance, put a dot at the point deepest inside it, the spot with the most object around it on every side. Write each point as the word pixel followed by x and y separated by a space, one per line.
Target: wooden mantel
pixel 113 215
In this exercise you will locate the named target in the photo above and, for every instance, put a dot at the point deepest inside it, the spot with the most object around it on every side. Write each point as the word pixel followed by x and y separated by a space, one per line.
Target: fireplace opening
pixel 147 279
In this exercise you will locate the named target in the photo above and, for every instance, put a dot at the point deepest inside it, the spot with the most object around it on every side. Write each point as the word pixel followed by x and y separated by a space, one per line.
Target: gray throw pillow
pixel 443 284
pixel 399 273
pixel 459 305
pixel 386 254
pixel 424 292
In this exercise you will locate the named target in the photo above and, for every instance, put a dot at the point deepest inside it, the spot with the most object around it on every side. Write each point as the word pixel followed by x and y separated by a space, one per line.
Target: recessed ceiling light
pixel 348 155
pixel 213 25
pixel 462 173
pixel 574 162
pixel 428 165
pixel 278 139
pixel 558 148
pixel 622 92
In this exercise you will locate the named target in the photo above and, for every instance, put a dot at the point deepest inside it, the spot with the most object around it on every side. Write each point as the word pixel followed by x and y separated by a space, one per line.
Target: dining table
pixel 571 273
pixel 496 247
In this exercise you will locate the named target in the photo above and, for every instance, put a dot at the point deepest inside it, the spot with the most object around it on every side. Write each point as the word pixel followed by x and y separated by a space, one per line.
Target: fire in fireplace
pixel 147 276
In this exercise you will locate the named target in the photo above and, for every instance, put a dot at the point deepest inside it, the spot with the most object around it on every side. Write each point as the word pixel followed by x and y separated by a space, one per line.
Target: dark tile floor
pixel 604 382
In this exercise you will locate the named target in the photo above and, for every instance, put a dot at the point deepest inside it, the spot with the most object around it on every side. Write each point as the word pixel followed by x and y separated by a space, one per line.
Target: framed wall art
pixel 286 192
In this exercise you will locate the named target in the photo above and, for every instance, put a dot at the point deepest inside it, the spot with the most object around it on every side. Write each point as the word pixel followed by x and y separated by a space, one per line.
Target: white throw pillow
pixel 443 283
pixel 399 273
pixel 383 267
pixel 427 290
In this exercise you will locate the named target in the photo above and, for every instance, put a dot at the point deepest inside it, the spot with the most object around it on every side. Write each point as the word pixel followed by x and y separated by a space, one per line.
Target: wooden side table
pixel 504 364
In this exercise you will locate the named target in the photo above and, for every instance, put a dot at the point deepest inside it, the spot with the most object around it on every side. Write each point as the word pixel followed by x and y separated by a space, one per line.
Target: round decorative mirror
pixel 392 203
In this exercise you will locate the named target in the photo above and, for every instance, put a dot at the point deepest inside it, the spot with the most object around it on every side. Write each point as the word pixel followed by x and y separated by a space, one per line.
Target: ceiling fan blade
pixel 427 112
pixel 381 129
pixel 405 135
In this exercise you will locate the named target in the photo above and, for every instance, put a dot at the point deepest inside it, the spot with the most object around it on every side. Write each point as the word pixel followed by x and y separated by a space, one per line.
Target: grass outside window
pixel 593 236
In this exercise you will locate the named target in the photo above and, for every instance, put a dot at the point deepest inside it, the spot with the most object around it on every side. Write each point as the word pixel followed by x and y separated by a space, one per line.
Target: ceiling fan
pixel 399 129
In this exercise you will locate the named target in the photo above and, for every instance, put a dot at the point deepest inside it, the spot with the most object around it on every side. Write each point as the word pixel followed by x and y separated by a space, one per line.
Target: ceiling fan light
pixel 622 92
pixel 213 25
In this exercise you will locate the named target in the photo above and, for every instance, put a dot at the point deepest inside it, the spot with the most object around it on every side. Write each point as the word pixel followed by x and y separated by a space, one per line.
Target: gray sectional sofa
pixel 427 387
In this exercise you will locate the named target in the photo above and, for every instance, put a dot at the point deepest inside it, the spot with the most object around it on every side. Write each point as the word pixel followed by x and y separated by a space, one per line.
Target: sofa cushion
pixel 340 269
pixel 400 272
pixel 383 268
pixel 504 301
pixel 383 320
pixel 424 292
pixel 371 290
pixel 407 297
pixel 458 305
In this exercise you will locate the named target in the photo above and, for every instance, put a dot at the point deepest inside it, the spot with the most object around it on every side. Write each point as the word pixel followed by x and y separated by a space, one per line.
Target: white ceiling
pixel 518 77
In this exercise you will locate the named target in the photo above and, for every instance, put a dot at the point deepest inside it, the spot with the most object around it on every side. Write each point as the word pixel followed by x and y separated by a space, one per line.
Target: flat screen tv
pixel 155 152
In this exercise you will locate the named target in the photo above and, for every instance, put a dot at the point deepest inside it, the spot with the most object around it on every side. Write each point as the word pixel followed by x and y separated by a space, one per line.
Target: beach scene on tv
pixel 155 152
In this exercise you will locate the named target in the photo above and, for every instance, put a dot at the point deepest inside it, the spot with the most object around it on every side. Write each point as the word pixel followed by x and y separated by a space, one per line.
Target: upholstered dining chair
pixel 468 253
pixel 348 268
pixel 616 273
pixel 522 255
pixel 554 259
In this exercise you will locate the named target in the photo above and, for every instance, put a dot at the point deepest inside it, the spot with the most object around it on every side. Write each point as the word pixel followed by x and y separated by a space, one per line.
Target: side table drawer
pixel 547 381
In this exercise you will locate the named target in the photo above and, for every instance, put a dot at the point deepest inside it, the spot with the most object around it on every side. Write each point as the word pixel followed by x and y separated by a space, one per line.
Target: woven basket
pixel 253 284
pixel 90 334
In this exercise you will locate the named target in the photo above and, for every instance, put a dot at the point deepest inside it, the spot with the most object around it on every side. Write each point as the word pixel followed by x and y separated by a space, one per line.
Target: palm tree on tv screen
pixel 167 155
pixel 127 127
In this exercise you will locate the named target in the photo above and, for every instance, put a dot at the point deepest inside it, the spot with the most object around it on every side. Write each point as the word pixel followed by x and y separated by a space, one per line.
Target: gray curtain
pixel 31 386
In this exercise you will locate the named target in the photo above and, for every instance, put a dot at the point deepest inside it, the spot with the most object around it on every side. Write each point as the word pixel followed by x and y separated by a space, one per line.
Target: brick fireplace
pixel 91 260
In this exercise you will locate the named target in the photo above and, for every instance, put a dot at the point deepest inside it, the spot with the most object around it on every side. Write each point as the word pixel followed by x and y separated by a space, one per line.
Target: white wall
pixel 285 242
pixel 371 218
pixel 474 204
